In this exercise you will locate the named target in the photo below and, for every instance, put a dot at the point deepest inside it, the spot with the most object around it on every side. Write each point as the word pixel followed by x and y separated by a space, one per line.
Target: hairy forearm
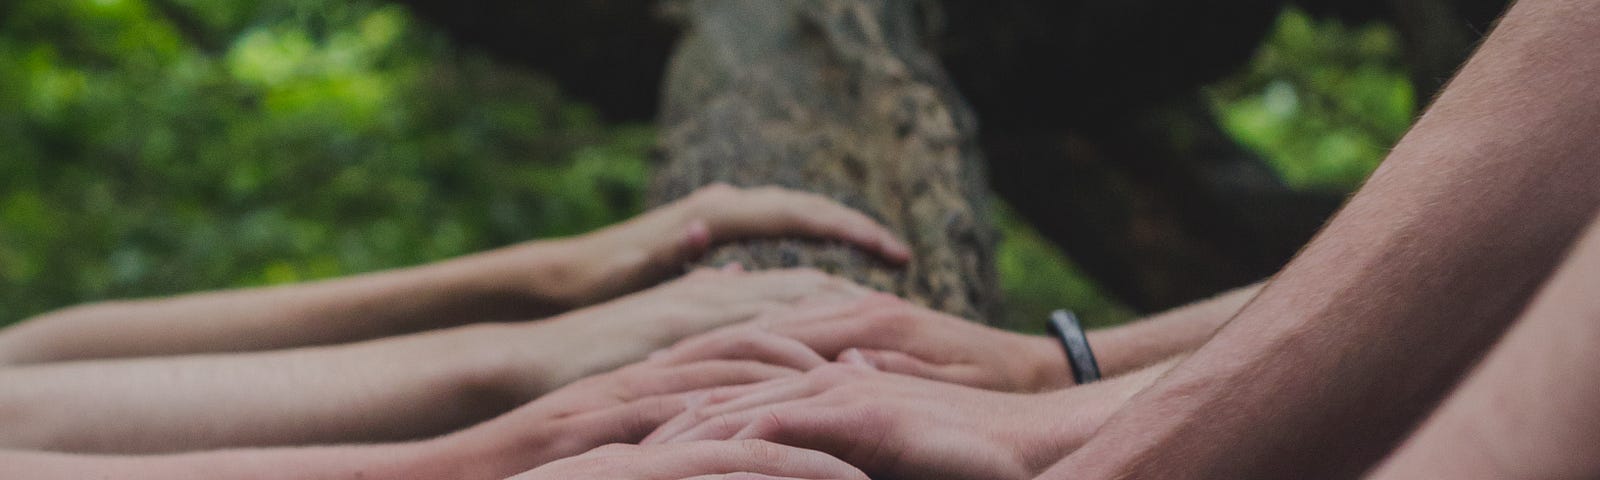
pixel 1162 336
pixel 1355 339
pixel 1527 412
pixel 522 281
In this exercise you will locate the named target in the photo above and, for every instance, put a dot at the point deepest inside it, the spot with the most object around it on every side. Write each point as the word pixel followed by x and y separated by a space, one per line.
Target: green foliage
pixel 1321 101
pixel 1037 279
pixel 150 147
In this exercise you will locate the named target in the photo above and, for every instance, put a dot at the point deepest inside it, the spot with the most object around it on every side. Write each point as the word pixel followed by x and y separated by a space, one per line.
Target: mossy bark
pixel 842 98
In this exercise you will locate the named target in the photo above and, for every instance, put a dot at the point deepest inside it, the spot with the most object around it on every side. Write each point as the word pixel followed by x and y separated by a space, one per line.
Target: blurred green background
pixel 150 148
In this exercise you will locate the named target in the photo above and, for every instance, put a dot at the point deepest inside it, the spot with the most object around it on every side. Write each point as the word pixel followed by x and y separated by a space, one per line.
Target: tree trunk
pixel 842 98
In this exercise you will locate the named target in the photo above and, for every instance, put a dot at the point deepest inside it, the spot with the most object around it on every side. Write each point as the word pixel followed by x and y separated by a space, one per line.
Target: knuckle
pixel 813 274
pixel 834 374
pixel 888 324
pixel 715 193
pixel 615 449
pixel 763 451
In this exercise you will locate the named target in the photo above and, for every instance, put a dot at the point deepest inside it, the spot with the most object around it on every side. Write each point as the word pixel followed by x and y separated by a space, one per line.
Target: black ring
pixel 1064 325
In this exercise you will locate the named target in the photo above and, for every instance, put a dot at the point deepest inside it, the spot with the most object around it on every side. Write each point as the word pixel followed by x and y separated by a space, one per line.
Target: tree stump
pixel 842 98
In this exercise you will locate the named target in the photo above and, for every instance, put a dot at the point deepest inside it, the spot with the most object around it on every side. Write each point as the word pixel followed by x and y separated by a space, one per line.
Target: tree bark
pixel 839 97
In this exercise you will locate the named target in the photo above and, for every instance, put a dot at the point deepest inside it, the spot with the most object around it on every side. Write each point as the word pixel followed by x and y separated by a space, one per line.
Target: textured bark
pixel 842 98
pixel 1088 109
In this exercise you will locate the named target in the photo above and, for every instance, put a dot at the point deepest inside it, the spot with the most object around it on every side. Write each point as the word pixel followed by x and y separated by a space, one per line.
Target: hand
pixel 903 427
pixel 619 406
pixel 537 357
pixel 625 257
pixel 745 460
pixel 894 336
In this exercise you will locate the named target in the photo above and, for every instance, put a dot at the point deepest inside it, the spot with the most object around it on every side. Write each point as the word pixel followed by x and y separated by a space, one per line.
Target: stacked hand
pixel 893 335
pixel 646 249
pixel 614 407
pixel 622 331
pixel 905 427
pixel 744 460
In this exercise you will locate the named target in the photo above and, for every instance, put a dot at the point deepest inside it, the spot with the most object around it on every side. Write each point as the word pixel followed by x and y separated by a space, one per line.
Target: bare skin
pixel 895 426
pixel 897 336
pixel 397 388
pixel 741 460
pixel 621 406
pixel 1351 344
pixel 518 282
pixel 1528 411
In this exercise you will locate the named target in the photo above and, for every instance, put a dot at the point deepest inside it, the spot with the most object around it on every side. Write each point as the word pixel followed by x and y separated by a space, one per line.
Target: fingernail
pixel 696 400
pixel 897 249
pixel 856 357
pixel 697 235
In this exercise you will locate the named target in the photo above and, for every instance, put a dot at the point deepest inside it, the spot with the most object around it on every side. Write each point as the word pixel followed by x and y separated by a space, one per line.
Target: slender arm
pixel 529 280
pixel 522 281
pixel 390 389
pixel 384 390
pixel 390 461
pixel 1343 351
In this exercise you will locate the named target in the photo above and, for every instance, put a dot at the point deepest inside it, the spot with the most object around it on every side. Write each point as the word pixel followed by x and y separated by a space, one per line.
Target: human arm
pixel 1527 411
pixel 895 426
pixel 742 460
pixel 898 336
pixel 1350 344
pixel 620 406
pixel 398 462
pixel 528 280
pixel 389 389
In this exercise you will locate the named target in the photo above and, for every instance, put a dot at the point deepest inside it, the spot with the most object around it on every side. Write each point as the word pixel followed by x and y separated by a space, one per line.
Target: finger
pixel 702 375
pixel 742 344
pixel 723 427
pixel 728 401
pixel 687 460
pixel 810 310
pixel 626 423
pixel 774 211
pixel 892 362
pixel 795 284
pixel 741 476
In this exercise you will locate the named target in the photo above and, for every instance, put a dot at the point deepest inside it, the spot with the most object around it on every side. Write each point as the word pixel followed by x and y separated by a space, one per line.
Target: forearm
pixel 1527 412
pixel 522 281
pixel 1174 332
pixel 1341 352
pixel 399 461
pixel 393 389
pixel 396 388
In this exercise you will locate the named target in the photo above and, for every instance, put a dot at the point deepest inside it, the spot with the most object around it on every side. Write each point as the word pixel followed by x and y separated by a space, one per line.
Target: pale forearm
pixel 401 388
pixel 395 388
pixel 523 281
pixel 1340 353
pixel 399 462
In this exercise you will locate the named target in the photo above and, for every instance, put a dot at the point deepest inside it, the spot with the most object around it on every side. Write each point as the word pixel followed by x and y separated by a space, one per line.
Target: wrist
pixel 1052 425
pixel 552 276
pixel 1047 368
